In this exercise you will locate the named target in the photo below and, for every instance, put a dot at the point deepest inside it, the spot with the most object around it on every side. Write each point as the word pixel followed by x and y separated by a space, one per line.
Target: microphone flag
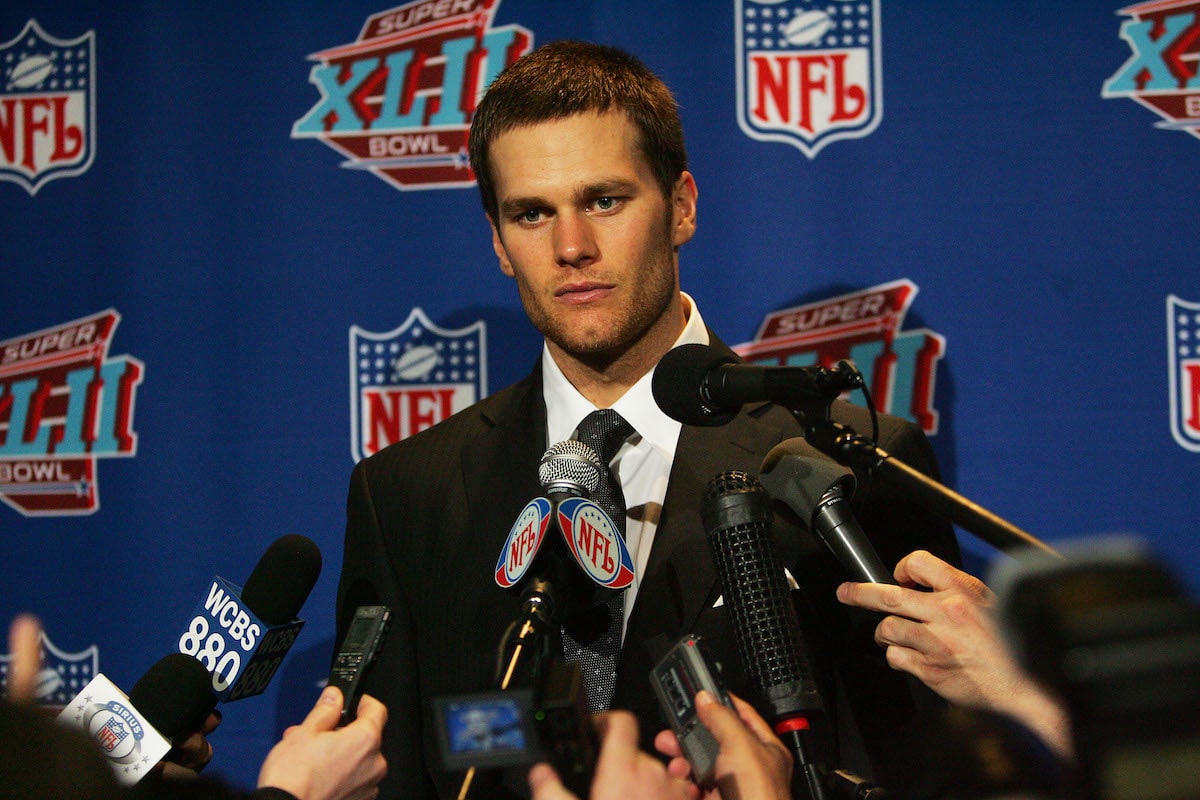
pixel 103 712
pixel 240 650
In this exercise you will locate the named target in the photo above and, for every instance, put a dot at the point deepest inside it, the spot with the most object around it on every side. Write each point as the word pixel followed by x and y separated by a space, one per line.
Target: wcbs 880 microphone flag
pixel 241 634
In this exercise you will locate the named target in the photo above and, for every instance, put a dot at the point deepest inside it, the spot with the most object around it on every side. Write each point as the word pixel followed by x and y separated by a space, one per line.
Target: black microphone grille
pixel 282 579
pixel 734 498
pixel 570 464
pixel 175 696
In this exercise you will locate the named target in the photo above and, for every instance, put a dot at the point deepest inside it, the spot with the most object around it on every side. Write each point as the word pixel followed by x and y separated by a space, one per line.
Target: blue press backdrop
pixel 1044 224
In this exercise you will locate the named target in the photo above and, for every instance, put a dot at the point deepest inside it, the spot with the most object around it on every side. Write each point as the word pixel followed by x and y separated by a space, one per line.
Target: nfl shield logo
pixel 524 542
pixel 47 107
pixel 62 675
pixel 595 542
pixel 809 73
pixel 111 734
pixel 411 378
pixel 1183 347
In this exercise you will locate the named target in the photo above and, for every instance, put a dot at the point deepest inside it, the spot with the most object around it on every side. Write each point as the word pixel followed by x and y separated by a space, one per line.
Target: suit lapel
pixel 680 574
pixel 500 466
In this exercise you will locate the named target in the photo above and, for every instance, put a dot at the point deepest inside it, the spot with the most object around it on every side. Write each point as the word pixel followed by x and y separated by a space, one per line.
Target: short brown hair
pixel 564 78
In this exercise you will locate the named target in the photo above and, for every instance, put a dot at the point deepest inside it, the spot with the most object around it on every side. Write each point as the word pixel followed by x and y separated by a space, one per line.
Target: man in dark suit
pixel 579 156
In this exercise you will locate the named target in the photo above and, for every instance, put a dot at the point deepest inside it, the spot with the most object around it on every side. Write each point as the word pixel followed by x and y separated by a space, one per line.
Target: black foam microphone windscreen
pixel 282 579
pixel 175 696
pixel 678 384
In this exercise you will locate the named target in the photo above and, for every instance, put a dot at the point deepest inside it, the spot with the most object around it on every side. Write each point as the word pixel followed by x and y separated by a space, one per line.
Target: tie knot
pixel 604 430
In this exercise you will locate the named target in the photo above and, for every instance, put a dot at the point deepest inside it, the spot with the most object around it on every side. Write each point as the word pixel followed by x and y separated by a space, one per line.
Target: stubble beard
pixel 599 348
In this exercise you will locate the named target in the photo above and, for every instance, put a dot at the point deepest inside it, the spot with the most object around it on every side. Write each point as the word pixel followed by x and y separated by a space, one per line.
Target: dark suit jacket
pixel 427 518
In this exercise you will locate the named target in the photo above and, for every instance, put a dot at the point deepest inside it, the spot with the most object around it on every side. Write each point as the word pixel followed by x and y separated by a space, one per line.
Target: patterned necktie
pixel 604 431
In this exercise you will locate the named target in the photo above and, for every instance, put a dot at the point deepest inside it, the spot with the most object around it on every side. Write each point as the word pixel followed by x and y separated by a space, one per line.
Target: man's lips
pixel 584 292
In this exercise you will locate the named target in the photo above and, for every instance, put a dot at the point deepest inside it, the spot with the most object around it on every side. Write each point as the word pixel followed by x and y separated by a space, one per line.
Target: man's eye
pixel 605 203
pixel 532 215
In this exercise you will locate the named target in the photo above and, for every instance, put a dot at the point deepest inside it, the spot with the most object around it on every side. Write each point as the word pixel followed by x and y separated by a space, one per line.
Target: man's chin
pixel 584 335
pixel 592 352
pixel 595 350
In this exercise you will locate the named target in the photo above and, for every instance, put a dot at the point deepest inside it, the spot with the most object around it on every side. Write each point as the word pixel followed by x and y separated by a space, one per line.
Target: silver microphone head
pixel 572 466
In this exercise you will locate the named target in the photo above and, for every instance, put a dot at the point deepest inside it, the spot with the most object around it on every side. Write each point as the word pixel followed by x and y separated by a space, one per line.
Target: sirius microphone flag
pixel 129 742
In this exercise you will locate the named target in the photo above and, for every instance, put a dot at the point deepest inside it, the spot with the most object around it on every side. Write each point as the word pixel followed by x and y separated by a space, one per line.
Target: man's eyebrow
pixel 619 186
pixel 606 187
pixel 515 205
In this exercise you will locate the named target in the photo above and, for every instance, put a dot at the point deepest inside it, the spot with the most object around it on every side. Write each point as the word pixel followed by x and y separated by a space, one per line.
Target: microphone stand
pixel 807 779
pixel 536 613
pixel 862 455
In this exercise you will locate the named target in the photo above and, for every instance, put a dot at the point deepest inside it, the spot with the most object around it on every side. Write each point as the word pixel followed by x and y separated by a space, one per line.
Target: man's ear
pixel 501 253
pixel 683 209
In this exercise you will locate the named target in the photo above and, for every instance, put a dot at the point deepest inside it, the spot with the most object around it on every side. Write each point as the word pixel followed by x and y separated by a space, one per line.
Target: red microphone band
pixel 797 723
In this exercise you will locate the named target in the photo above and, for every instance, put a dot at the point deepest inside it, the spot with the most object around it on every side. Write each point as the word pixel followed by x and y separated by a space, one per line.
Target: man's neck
pixel 604 380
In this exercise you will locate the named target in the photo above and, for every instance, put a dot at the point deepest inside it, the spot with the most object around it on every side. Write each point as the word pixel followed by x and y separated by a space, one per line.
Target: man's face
pixel 589 237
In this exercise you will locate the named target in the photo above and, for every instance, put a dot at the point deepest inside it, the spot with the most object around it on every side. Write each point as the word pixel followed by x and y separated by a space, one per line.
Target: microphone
pixel 569 472
pixel 736 511
pixel 592 538
pixel 555 587
pixel 700 385
pixel 565 470
pixel 570 469
pixel 554 590
pixel 819 489
pixel 241 634
pixel 175 696
pixel 134 731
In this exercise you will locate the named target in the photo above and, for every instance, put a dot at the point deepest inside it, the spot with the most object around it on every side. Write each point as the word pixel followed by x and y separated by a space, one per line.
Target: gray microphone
pixel 819 489
pixel 569 468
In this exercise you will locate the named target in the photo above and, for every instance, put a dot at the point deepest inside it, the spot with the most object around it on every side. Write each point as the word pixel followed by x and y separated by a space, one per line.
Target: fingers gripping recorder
pixel 356 655
pixel 676 679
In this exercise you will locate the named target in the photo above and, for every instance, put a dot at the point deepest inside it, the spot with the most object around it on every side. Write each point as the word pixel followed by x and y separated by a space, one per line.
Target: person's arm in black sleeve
pixel 368 578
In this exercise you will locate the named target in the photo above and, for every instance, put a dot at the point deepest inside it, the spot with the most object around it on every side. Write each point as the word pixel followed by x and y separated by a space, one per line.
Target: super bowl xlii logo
pixel 47 107
pixel 63 404
pixel 1163 71
pixel 899 367
pixel 398 100
pixel 411 378
pixel 808 72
